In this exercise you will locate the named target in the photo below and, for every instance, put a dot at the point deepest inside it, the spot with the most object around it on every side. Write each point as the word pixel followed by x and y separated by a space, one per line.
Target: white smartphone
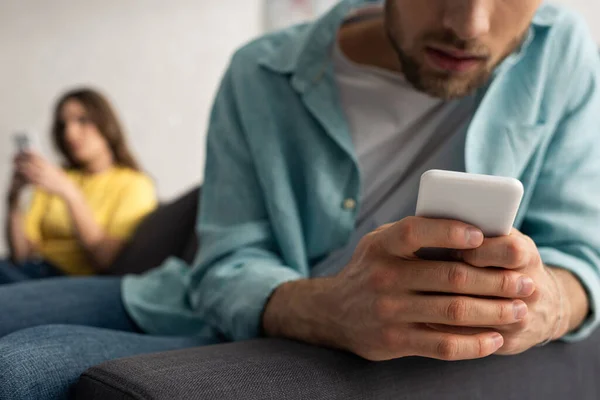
pixel 25 141
pixel 487 202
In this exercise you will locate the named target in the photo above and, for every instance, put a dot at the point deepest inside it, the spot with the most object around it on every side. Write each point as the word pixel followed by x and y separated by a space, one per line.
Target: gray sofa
pixel 170 231
pixel 280 369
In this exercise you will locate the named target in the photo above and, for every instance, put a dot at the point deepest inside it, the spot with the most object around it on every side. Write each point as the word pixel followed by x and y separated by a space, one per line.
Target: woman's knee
pixel 39 363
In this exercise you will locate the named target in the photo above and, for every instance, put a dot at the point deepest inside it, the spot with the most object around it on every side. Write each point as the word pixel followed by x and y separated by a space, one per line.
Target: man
pixel 318 137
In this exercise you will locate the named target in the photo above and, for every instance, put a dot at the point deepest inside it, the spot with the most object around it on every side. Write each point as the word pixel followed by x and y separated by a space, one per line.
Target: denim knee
pixel 36 363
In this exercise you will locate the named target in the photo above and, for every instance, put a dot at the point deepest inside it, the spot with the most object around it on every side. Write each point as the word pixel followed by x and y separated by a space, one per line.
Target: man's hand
pixel 43 174
pixel 550 307
pixel 386 302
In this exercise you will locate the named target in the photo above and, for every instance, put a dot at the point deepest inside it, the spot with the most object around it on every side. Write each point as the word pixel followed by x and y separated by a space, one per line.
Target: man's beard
pixel 447 85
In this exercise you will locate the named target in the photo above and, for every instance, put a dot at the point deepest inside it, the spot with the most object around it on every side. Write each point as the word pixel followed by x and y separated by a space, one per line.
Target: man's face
pixel 449 48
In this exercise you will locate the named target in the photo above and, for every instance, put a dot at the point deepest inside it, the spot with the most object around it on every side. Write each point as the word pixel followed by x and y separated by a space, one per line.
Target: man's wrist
pixel 576 302
pixel 300 310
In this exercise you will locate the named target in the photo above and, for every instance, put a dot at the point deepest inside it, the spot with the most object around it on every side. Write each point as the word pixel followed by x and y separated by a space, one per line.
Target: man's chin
pixel 447 89
pixel 448 86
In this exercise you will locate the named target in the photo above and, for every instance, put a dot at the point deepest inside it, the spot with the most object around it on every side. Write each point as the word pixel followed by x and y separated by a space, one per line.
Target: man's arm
pixel 301 311
pixel 239 264
pixel 563 217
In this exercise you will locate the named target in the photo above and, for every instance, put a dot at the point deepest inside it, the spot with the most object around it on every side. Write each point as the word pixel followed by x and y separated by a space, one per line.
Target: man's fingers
pixel 405 238
pixel 512 252
pixel 453 347
pixel 452 310
pixel 459 278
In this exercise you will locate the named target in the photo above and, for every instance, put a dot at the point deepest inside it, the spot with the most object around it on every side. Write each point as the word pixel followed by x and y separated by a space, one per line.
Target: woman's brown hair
pixel 101 114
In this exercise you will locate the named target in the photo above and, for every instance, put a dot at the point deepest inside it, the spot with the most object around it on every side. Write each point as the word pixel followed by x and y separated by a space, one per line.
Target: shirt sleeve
pixel 239 265
pixel 34 215
pixel 564 215
pixel 137 200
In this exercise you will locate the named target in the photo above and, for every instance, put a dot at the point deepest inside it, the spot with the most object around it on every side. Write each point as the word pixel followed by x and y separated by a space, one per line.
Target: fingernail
pixel 498 340
pixel 520 310
pixel 474 237
pixel 525 287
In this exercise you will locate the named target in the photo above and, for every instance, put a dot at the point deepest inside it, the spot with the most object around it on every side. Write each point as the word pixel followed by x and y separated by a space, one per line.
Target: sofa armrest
pixel 279 369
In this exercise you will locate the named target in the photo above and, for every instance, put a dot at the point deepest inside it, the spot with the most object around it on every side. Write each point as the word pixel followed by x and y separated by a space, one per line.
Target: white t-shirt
pixel 398 133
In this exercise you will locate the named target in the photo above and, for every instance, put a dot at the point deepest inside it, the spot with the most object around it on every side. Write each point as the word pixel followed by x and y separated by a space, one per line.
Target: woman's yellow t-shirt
pixel 119 199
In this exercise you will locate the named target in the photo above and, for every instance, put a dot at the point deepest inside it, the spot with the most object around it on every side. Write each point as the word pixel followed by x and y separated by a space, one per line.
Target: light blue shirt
pixel 398 133
pixel 281 168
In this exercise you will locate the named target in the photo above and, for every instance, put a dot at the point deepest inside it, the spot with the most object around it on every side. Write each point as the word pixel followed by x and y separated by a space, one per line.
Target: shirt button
pixel 349 204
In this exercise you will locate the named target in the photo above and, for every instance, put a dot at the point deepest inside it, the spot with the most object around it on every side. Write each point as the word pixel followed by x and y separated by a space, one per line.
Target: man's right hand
pixel 384 304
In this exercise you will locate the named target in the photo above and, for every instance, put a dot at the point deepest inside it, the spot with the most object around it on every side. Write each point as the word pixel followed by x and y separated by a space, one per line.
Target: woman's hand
pixel 40 172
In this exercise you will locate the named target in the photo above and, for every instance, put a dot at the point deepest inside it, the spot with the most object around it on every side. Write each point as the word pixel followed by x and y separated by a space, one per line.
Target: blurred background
pixel 159 63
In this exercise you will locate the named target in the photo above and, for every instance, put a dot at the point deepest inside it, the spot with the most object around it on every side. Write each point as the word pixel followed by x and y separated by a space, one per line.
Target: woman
pixel 79 219
pixel 81 215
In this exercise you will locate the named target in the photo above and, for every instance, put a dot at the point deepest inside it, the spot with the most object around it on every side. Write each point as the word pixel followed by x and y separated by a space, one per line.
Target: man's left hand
pixel 549 307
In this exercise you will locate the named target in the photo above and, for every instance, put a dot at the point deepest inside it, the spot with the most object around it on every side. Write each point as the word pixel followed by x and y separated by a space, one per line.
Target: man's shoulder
pixel 567 41
pixel 562 60
pixel 277 50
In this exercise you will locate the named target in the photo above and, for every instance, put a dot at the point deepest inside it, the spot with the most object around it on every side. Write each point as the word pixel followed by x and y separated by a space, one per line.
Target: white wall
pixel 159 61
pixel 590 9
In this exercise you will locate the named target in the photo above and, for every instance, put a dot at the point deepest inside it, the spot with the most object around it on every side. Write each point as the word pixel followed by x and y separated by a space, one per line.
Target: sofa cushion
pixel 279 369
pixel 168 231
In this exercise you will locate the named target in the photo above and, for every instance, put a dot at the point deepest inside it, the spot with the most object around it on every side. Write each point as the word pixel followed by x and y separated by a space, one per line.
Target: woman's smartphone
pixel 489 203
pixel 24 141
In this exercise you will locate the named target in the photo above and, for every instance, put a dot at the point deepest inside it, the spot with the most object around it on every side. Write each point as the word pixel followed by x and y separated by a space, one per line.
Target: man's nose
pixel 468 19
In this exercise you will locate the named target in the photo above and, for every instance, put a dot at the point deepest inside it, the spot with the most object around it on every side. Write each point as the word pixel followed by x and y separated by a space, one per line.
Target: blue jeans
pixel 52 330
pixel 11 273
